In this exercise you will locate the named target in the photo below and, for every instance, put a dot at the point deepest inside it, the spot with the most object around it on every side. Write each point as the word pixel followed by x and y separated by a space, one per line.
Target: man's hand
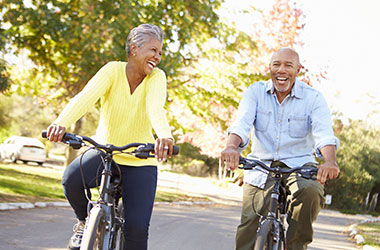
pixel 230 157
pixel 327 170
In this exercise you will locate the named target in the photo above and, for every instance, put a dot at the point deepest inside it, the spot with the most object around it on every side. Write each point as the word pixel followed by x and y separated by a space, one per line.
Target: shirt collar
pixel 296 90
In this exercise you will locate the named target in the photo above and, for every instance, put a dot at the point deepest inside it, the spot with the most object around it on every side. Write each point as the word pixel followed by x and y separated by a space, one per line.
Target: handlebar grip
pixel 66 136
pixel 71 139
pixel 175 150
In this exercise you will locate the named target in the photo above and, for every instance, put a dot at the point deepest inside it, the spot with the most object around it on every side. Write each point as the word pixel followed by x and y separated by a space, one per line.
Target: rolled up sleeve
pixel 245 117
pixel 321 123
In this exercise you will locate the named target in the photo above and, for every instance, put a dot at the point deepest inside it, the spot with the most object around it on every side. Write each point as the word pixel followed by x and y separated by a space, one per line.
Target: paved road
pixel 173 227
pixel 331 229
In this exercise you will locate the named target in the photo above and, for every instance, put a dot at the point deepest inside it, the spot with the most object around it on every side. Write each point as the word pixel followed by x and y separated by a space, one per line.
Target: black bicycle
pixel 104 229
pixel 271 231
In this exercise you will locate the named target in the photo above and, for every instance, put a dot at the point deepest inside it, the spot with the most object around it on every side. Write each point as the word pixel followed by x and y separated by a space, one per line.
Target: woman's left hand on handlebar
pixel 327 171
pixel 163 148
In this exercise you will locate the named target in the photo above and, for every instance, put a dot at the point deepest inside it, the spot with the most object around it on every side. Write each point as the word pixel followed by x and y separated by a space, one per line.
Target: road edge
pixel 29 205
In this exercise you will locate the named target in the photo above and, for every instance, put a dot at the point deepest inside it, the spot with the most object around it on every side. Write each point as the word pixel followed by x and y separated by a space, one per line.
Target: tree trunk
pixel 373 203
pixel 220 171
pixel 365 205
pixel 71 153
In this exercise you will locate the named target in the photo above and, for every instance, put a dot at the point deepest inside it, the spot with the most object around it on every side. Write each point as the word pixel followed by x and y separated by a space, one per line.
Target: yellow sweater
pixel 124 118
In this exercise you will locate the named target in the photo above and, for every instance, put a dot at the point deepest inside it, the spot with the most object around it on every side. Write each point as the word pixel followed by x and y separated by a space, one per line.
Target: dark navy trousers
pixel 138 193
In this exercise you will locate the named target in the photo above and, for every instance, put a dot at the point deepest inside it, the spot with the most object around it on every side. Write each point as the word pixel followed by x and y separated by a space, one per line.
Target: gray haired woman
pixel 132 96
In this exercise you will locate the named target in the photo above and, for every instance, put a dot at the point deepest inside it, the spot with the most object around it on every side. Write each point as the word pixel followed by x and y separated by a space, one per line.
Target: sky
pixel 344 36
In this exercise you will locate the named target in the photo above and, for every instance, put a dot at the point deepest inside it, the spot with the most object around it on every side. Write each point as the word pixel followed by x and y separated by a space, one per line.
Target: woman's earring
pixel 134 54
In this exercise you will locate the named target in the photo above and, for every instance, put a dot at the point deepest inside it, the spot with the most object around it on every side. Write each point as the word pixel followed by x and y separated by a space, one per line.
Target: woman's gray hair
pixel 143 33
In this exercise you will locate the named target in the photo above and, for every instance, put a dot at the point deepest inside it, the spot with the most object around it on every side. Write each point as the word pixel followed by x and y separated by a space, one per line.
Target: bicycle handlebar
pixel 142 150
pixel 306 172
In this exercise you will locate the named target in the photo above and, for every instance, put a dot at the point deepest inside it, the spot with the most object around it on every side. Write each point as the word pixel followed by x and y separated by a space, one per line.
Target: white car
pixel 24 149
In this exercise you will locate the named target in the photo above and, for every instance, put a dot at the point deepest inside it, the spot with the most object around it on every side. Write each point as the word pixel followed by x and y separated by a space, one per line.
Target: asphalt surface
pixel 173 227
pixel 331 231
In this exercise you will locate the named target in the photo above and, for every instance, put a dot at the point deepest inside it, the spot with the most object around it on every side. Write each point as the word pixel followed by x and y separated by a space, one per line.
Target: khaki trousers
pixel 306 200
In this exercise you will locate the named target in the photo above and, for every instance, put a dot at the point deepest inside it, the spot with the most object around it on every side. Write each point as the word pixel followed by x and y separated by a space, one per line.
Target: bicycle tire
pixel 120 240
pixel 265 237
pixel 93 237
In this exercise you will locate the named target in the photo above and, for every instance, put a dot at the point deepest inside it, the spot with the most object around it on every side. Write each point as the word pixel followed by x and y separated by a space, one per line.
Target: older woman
pixel 132 96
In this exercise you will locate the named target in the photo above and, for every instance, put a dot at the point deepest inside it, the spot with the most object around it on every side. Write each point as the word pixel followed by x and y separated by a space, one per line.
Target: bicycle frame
pixel 275 212
pixel 108 203
pixel 271 231
pixel 103 225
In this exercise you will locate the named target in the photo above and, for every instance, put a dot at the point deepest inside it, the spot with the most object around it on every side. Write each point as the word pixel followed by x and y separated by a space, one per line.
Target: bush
pixel 358 159
pixel 192 162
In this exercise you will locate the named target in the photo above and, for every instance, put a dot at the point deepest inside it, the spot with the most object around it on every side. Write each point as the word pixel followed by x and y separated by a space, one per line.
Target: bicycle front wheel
pixel 93 237
pixel 268 236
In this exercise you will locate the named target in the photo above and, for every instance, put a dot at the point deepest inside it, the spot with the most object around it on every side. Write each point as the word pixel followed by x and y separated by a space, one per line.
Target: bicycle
pixel 104 228
pixel 271 231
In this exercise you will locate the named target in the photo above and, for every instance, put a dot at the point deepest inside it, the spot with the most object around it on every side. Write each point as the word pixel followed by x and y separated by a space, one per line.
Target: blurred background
pixel 213 50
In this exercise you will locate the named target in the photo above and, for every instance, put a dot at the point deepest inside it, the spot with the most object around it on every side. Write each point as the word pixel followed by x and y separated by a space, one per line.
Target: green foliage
pixel 4 134
pixel 71 40
pixel 358 159
pixel 217 76
pixel 5 118
pixel 191 161
pixel 4 76
pixel 23 116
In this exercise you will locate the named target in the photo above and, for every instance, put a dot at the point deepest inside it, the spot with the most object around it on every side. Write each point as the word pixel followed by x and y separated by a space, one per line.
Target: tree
pixel 5 119
pixel 225 67
pixel 4 76
pixel 69 41
pixel 358 158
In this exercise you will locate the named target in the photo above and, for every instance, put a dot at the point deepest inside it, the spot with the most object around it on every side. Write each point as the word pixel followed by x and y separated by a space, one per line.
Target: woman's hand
pixel 163 148
pixel 55 132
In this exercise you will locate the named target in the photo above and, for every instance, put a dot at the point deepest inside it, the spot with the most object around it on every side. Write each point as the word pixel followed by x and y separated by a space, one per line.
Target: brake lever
pixel 74 143
pixel 144 151
pixel 309 173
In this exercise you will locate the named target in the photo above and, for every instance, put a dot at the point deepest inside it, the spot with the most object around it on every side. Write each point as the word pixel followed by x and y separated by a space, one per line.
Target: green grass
pixel 370 232
pixel 29 183
pixel 168 195
pixel 32 183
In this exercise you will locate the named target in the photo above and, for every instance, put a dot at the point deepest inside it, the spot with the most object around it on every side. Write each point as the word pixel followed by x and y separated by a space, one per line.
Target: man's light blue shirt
pixel 292 132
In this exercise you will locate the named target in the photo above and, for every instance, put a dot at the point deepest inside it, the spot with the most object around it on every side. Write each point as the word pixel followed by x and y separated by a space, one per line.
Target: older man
pixel 291 122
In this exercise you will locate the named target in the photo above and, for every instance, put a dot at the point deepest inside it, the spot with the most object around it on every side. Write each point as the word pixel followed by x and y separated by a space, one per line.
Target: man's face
pixel 284 67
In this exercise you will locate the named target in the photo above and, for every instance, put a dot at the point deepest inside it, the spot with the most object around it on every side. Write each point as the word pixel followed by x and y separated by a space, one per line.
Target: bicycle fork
pixel 277 229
